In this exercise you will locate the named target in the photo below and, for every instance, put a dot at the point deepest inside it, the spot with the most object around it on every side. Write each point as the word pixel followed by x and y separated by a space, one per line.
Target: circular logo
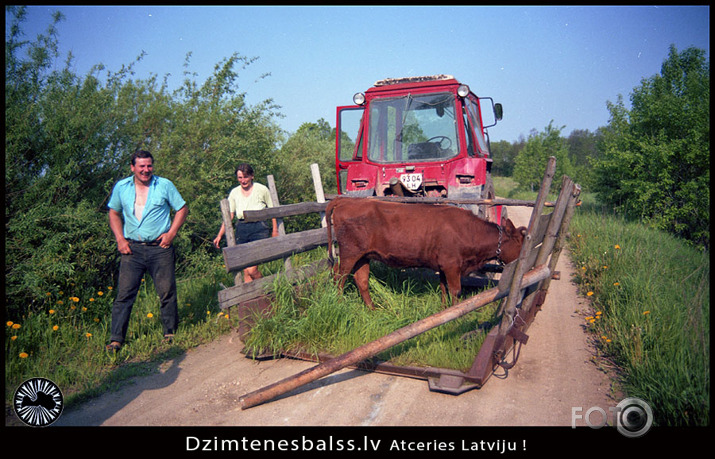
pixel 634 417
pixel 38 402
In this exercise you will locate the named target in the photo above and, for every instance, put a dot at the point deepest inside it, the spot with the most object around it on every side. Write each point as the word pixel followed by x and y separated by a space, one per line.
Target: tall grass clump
pixel 650 295
pixel 316 318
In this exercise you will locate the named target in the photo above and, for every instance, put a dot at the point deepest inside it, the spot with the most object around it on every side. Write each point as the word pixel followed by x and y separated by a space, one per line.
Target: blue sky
pixel 542 63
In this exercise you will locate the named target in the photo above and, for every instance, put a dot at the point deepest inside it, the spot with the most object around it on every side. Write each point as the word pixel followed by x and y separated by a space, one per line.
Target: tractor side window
pixel 476 119
pixel 468 134
pixel 350 121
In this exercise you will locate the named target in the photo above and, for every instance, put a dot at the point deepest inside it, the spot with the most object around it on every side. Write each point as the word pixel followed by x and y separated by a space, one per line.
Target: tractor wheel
pixel 489 213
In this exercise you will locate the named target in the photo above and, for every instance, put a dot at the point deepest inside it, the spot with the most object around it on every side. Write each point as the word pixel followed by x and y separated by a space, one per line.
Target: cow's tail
pixel 329 225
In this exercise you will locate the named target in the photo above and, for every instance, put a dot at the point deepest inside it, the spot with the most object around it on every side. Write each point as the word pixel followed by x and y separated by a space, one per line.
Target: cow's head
pixel 512 240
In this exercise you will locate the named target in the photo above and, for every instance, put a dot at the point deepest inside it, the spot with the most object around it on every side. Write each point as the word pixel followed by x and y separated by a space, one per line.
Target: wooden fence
pixel 238 257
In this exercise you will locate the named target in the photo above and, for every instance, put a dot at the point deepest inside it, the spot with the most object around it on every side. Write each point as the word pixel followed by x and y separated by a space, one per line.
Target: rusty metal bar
pixel 427 200
pixel 374 347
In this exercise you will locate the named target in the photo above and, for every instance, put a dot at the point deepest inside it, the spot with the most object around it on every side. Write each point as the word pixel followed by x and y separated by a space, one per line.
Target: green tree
pixel 56 168
pixel 504 155
pixel 656 156
pixel 583 150
pixel 530 164
pixel 312 143
pixel 69 139
pixel 211 130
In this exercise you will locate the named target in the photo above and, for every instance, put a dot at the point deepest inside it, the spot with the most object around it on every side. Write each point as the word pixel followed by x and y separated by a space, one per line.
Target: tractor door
pixel 348 142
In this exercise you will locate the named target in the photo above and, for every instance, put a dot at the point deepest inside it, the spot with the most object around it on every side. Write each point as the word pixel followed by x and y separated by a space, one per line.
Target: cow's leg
pixel 336 269
pixel 362 280
pixel 443 287
pixel 343 268
pixel 454 284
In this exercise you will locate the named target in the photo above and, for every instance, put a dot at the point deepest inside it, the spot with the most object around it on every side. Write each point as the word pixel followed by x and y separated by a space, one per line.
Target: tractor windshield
pixel 417 128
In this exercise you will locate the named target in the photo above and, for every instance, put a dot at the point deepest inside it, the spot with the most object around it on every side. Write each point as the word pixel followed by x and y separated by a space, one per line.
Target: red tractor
pixel 418 136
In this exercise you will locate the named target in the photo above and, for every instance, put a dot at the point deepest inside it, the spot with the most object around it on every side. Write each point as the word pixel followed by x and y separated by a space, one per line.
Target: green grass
pixel 64 339
pixel 317 318
pixel 650 318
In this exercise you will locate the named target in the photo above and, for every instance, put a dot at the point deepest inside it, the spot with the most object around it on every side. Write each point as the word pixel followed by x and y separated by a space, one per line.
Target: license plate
pixel 411 181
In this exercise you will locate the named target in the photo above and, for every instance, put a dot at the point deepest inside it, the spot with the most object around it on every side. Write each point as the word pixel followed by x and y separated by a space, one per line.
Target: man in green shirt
pixel 249 195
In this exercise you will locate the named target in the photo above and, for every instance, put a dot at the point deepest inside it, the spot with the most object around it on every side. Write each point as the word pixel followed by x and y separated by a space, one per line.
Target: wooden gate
pixel 522 289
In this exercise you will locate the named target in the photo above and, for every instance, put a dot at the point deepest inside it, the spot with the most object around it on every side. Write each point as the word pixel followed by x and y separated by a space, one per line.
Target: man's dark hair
pixel 245 168
pixel 141 154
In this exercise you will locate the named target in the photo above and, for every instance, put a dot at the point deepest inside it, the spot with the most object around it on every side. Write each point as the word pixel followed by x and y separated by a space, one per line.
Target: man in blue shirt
pixel 140 218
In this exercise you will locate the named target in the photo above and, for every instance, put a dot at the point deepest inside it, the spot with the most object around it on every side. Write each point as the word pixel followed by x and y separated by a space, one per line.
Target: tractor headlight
pixel 463 90
pixel 359 98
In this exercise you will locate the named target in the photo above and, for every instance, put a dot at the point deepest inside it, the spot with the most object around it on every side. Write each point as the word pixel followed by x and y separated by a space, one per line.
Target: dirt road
pixel 202 388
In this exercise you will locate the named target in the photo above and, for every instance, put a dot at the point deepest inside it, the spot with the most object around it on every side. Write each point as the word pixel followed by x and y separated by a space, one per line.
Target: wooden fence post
pixel 279 221
pixel 230 236
pixel 318 184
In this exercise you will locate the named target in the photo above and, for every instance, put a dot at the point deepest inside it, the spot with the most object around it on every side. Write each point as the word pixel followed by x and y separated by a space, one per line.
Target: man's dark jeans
pixel 159 263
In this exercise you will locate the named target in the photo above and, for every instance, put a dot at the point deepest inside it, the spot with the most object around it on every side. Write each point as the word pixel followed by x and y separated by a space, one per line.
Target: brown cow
pixel 444 238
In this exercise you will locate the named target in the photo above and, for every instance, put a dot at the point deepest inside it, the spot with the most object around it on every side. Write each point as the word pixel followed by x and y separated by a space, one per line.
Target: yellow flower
pixel 13 338
pixel 16 326
pixel 109 288
pixel 60 302
pixel 583 268
pixel 61 292
pixel 150 315
pixel 617 247
pixel 608 340
pixel 208 313
pixel 84 309
pixel 49 294
pixel 8 323
pixel 598 313
pixel 589 294
pixel 645 313
pixel 604 337
pixel 91 300
pixel 96 319
pixel 589 318
pixel 100 293
pixel 616 284
pixel 73 307
pixel 24 355
pixel 605 267
pixel 75 299
pixel 56 327
pixel 88 335
pixel 52 311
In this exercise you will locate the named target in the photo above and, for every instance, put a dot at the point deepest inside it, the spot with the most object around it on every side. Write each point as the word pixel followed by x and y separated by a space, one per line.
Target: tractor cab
pixel 420 136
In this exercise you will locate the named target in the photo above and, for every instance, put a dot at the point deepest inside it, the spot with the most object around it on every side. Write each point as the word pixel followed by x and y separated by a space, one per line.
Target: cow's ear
pixel 508 225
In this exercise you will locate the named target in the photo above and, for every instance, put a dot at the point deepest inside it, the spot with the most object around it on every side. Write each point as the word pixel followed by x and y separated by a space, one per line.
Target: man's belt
pixel 152 243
